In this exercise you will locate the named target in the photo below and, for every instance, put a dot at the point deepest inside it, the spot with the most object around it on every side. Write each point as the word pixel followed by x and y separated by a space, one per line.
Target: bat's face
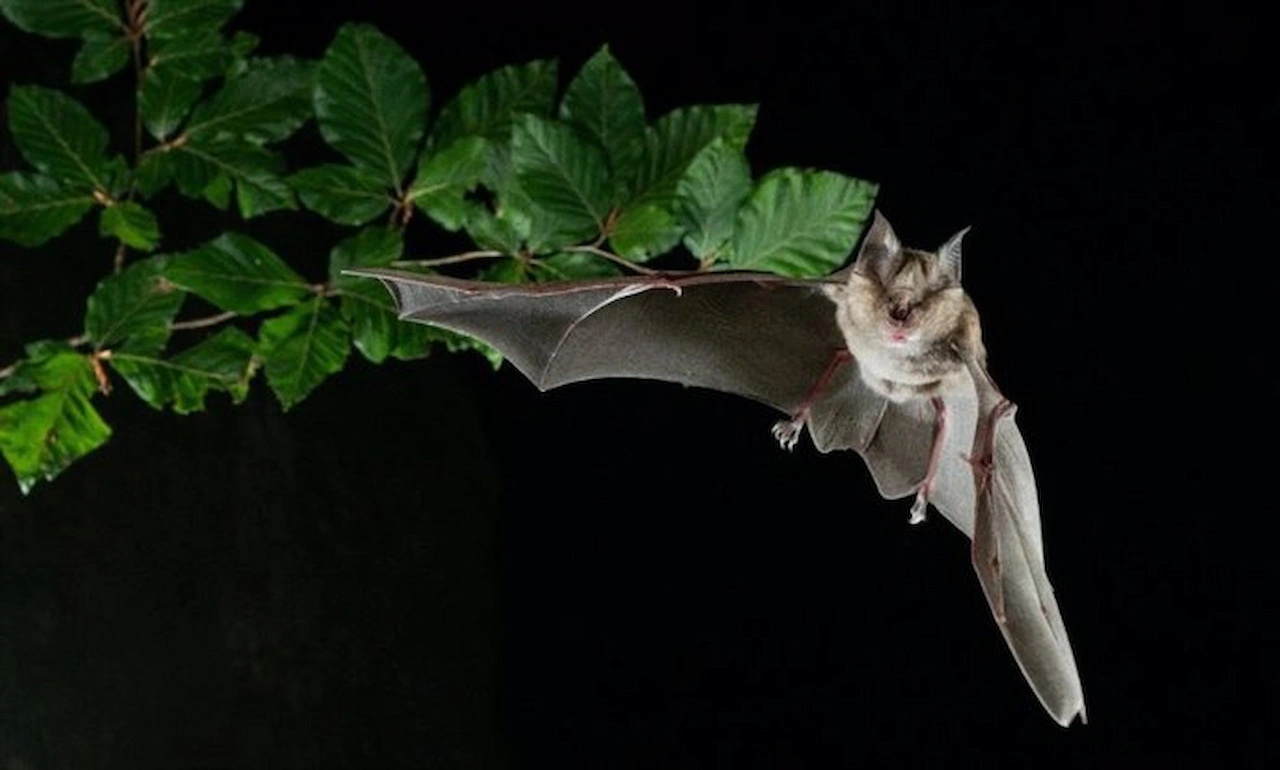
pixel 901 296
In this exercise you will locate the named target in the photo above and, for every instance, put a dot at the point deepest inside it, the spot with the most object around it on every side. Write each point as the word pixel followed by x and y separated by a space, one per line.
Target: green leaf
pixel 344 194
pixel 243 44
pixel 564 176
pixel 676 138
pixel 709 196
pixel 172 18
pixel 371 247
pixel 256 171
pixel 604 103
pixel 576 265
pixel 223 362
pixel 135 306
pixel 64 18
pixel 154 173
pixel 371 101
pixel 132 224
pixel 302 348
pixel 164 99
pixel 35 208
pixel 489 106
pixel 504 231
pixel 376 328
pixel 265 103
pixel 41 436
pixel 444 178
pixel 43 367
pixel 196 55
pixel 239 274
pixel 100 57
pixel 801 223
pixel 645 231
pixel 58 136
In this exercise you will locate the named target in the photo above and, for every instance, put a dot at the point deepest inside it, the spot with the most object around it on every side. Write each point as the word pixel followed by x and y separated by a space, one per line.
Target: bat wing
pixel 685 329
pixel 770 338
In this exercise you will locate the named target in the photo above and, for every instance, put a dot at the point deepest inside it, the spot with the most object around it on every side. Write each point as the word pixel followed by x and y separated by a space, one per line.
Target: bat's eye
pixel 899 313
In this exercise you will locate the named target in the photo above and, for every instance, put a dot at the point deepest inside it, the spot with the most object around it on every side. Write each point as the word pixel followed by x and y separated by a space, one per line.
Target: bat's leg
pixel 921 504
pixel 787 432
pixel 986 542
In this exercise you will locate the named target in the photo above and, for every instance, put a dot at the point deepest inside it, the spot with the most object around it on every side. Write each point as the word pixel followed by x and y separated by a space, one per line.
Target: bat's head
pixel 904 293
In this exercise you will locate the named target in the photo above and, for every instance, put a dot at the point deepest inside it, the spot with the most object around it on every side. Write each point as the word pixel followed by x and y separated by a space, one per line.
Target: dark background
pixel 431 565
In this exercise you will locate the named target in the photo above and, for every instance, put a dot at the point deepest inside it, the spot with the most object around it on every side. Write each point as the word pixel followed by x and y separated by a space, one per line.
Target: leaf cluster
pixel 547 184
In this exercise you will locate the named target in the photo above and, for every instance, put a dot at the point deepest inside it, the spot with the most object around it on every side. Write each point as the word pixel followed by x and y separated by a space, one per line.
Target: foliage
pixel 545 187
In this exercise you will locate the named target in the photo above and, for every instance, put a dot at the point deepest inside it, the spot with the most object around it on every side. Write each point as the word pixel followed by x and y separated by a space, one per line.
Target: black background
pixel 431 565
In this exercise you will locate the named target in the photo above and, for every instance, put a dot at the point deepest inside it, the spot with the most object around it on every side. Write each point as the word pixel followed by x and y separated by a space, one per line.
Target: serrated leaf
pixel 35 208
pixel 41 436
pixel 44 365
pixel 444 178
pixel 676 138
pixel 488 106
pixel 255 170
pixel 709 196
pixel 344 194
pixel 645 231
pixel 376 329
pixel 170 18
pixel 503 231
pixel 101 56
pixel 801 223
pixel 605 104
pixel 265 103
pixel 135 306
pixel 301 348
pixel 164 99
pixel 371 102
pixel 132 224
pixel 64 18
pixel 371 247
pixel 223 362
pixel 564 176
pixel 237 273
pixel 58 136
pixel 197 54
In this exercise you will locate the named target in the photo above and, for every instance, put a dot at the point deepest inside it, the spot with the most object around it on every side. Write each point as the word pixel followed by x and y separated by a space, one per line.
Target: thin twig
pixel 614 258
pixel 117 263
pixel 8 370
pixel 200 323
pixel 465 256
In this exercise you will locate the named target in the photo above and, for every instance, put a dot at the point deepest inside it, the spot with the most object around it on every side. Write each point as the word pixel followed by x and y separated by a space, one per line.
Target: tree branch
pixel 200 323
pixel 614 258
pixel 465 256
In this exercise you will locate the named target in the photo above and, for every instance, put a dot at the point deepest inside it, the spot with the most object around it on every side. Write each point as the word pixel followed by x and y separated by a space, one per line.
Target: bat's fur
pixel 906 317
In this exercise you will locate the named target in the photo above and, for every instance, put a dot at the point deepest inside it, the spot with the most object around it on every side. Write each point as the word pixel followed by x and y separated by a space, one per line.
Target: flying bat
pixel 884 357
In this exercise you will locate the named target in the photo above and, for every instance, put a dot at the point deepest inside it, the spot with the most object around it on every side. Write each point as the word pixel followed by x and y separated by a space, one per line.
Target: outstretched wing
pixel 771 339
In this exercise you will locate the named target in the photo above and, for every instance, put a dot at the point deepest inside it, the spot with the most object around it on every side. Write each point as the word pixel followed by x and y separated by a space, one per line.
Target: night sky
pixel 430 564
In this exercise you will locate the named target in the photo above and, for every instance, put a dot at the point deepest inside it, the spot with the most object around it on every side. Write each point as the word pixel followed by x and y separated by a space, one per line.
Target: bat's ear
pixel 949 254
pixel 881 250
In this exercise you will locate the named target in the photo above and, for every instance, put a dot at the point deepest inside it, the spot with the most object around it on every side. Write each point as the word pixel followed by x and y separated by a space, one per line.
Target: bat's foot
pixel 787 432
pixel 919 507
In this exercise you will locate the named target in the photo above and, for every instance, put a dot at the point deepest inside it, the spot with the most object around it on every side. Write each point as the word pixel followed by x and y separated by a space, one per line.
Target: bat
pixel 884 357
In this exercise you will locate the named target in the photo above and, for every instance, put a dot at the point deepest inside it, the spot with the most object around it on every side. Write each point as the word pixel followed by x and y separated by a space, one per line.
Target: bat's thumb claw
pixel 787 432
pixel 918 508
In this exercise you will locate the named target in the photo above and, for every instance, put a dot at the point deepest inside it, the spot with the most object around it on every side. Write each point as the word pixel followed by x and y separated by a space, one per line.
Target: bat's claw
pixel 787 432
pixel 919 508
